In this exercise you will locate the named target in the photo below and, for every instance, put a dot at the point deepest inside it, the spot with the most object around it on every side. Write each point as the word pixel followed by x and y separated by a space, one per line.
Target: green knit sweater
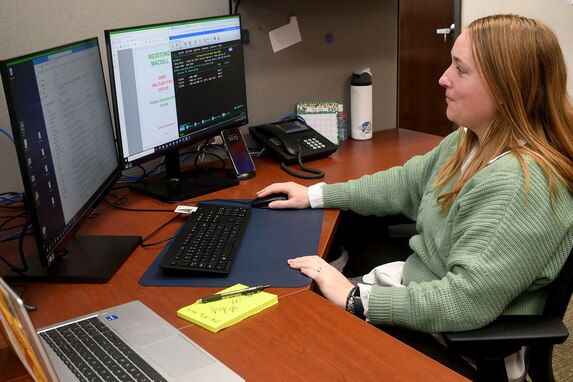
pixel 491 253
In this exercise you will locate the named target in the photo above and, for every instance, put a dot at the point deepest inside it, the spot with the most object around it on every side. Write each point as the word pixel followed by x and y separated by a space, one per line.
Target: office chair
pixel 507 334
pixel 489 345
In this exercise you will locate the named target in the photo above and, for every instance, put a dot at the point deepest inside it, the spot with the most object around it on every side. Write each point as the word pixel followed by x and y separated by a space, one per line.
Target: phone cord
pixel 316 174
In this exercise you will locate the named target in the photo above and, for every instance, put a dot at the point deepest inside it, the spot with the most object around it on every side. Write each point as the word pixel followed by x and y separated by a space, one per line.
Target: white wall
pixel 557 14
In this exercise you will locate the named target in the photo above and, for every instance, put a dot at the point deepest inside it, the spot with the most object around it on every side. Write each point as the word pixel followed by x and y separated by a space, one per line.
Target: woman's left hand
pixel 333 284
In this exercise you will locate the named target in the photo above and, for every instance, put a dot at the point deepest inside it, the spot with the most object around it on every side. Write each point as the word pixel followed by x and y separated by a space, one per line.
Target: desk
pixel 304 337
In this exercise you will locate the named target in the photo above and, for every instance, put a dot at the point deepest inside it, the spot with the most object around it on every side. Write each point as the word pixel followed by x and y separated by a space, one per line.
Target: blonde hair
pixel 523 66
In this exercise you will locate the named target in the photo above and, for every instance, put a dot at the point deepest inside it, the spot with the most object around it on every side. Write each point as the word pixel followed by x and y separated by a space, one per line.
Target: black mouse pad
pixel 270 239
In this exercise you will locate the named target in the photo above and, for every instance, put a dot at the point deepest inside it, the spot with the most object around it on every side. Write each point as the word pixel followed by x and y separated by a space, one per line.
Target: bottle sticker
pixel 366 128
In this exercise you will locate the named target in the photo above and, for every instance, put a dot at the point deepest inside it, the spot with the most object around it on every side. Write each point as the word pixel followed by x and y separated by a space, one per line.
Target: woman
pixel 492 203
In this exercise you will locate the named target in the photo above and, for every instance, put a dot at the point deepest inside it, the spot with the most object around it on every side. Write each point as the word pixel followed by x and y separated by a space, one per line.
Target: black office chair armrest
pixel 396 219
pixel 508 334
pixel 399 226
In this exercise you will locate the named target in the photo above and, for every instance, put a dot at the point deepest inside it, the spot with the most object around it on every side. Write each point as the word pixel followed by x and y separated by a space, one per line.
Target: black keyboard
pixel 208 241
pixel 94 353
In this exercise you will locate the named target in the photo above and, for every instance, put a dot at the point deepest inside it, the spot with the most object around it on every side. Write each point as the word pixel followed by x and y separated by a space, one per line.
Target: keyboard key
pixel 93 353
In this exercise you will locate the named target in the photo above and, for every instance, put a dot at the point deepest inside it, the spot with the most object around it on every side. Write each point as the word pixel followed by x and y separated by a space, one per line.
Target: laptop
pixel 128 338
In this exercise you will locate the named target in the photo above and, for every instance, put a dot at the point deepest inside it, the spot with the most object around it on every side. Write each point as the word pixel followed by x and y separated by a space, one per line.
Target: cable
pixel 292 117
pixel 7 199
pixel 317 174
pixel 12 197
pixel 118 200
pixel 133 209
pixel 145 245
pixel 231 12
pixel 11 237
pixel 154 172
pixel 24 268
pixel 8 135
pixel 220 158
pixel 23 215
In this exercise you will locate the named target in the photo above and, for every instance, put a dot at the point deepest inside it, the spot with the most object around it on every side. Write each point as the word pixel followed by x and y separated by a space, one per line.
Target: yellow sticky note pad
pixel 223 313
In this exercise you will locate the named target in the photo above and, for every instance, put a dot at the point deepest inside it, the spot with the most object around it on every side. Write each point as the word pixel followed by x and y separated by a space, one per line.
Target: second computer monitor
pixel 173 85
pixel 68 159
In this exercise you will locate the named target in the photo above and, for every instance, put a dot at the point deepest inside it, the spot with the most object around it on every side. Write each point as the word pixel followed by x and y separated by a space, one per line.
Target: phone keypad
pixel 313 143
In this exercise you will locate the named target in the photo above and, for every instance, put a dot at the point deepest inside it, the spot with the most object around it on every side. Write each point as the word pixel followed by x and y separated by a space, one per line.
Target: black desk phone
pixel 291 138
pixel 293 141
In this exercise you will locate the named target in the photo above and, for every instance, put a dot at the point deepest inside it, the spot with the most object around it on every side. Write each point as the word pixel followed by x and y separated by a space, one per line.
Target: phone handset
pixel 279 137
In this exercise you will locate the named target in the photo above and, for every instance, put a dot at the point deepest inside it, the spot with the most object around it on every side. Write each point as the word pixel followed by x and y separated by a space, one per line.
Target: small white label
pixel 185 209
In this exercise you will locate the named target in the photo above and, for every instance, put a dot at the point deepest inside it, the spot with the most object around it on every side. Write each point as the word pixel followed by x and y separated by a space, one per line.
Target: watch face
pixel 350 300
pixel 357 308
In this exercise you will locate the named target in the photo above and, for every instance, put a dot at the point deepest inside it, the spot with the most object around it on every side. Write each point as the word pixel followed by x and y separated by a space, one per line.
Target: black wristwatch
pixel 354 303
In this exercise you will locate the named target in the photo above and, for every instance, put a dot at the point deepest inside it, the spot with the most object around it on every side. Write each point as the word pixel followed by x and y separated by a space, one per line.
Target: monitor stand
pixel 89 259
pixel 194 184
pixel 178 185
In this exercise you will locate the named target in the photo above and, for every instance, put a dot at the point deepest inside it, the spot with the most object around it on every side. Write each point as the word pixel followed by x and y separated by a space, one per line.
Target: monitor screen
pixel 173 85
pixel 65 142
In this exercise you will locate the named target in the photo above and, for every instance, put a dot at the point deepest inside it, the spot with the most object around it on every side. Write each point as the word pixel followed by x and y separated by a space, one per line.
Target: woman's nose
pixel 444 81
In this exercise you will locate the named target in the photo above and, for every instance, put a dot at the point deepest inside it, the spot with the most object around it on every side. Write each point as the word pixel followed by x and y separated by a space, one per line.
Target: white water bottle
pixel 361 104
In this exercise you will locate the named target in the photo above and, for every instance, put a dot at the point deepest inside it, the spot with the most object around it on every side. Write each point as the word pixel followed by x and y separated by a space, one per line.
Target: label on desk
pixel 223 313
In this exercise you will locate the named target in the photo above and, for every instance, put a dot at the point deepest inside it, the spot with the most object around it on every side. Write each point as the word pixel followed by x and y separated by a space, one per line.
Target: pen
pixel 240 292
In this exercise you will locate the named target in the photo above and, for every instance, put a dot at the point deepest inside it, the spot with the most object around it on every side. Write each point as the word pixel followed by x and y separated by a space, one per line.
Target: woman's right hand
pixel 297 195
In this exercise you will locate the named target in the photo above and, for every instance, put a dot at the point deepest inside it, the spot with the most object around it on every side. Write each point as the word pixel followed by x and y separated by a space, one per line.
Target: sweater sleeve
pixel 502 244
pixel 393 191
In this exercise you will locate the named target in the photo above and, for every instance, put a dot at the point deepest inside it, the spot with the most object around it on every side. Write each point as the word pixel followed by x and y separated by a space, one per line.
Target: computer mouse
pixel 264 201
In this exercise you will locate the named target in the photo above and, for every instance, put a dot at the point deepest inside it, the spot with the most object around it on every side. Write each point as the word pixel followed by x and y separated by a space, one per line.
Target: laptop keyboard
pixel 208 240
pixel 94 353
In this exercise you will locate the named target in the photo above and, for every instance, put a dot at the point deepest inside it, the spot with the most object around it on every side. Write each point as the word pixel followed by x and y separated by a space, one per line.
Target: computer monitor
pixel 68 158
pixel 173 85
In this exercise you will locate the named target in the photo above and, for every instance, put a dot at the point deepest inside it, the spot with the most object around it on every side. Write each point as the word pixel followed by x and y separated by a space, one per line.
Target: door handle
pixel 446 31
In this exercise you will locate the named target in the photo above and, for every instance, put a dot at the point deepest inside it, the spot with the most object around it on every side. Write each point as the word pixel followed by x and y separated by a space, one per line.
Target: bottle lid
pixel 361 77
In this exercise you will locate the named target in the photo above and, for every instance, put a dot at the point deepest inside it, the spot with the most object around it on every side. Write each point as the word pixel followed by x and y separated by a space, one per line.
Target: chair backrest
pixel 540 358
pixel 560 291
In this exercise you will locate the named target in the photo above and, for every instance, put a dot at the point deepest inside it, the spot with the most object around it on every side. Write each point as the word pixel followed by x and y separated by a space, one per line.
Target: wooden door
pixel 423 55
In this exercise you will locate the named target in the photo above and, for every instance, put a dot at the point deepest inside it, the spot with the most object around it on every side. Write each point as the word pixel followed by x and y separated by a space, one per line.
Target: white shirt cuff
pixel 365 297
pixel 315 195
